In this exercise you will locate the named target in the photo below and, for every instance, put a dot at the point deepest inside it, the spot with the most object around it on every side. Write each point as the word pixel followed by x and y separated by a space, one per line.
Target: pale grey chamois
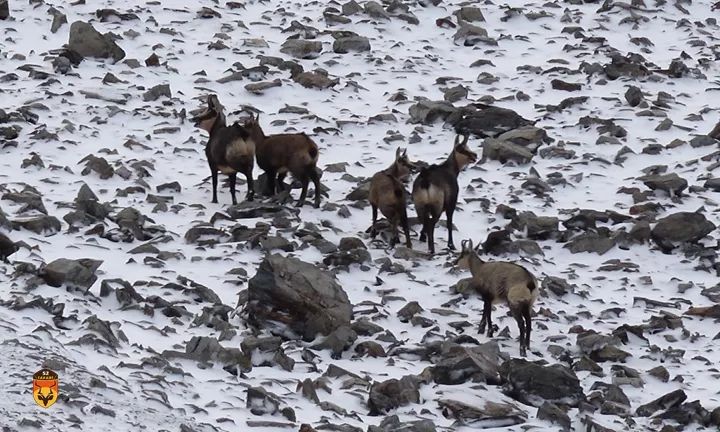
pixel 501 282
pixel 387 193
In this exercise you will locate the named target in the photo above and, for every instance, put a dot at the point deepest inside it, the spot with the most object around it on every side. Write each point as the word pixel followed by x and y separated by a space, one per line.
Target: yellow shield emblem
pixel 45 387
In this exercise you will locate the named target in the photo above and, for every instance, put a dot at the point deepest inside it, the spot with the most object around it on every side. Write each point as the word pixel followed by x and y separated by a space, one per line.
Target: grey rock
pixel 454 94
pixel 347 258
pixel 262 402
pixel 99 165
pixel 302 49
pixel 88 42
pixel 492 414
pixel 393 424
pixel 667 401
pixel 355 43
pixel 557 286
pixel 469 34
pixel 505 151
pixel 671 183
pixel 255 209
pixel 311 300
pixel 681 227
pixel 457 364
pixel 7 247
pixel 593 242
pixel 156 92
pixel 712 184
pixel 45 225
pixel 340 340
pixel 469 14
pixel 4 9
pixel 204 349
pixel 533 384
pixel 261 87
pixel 486 121
pixel 393 393
pixel 78 273
pixel 628 66
pixel 428 112
pixel 315 79
pixel 375 10
pixel 552 413
pixel 351 8
pixel 536 227
pixel 634 96
pixel 703 141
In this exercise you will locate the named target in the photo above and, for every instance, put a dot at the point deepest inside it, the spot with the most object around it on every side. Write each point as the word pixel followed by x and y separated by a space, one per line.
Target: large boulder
pixel 72 273
pixel 681 227
pixel 458 364
pixel 505 151
pixel 88 42
pixel 485 121
pixel 533 384
pixel 428 112
pixel 393 393
pixel 7 247
pixel 306 299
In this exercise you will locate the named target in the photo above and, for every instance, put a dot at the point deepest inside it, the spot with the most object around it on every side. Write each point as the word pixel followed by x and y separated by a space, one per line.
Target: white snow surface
pixel 404 57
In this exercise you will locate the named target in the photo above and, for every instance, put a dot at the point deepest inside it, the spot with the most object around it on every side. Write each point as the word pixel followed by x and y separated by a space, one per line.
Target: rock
pixel 533 384
pixel 375 10
pixel 72 273
pixel 671 183
pixel 428 112
pixel 469 14
pixel 629 66
pixel 536 227
pixel 469 34
pixel 552 413
pixel 393 424
pixel 45 225
pixel 713 184
pixel 681 227
pixel 261 402
pixel 302 49
pixel 306 299
pixel 678 69
pixel 88 42
pixel 205 349
pixel 7 247
pixel 505 151
pixel 156 92
pixel 256 209
pixel 492 414
pixel 557 286
pixel 316 80
pixel 703 141
pixel 454 94
pixel 393 393
pixel 457 364
pixel 340 340
pixel 355 43
pixel 260 87
pixel 557 84
pixel 98 165
pixel 667 401
pixel 633 96
pixel 490 121
pixel 590 242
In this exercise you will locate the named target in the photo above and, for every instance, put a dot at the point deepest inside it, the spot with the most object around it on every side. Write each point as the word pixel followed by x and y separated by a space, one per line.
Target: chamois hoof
pixel 214 201
pixel 523 352
pixel 451 246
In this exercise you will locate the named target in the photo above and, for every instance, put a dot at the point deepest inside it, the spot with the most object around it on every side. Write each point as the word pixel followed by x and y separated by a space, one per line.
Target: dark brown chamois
pixel 436 190
pixel 230 149
pixel 501 282
pixel 387 193
pixel 279 154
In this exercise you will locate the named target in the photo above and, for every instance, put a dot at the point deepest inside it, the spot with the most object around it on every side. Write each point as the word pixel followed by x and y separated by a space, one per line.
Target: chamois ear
pixel 398 153
pixel 465 141
pixel 457 141
pixel 404 152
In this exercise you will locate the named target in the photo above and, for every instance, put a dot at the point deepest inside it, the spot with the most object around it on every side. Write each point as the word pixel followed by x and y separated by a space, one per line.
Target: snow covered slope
pixel 146 155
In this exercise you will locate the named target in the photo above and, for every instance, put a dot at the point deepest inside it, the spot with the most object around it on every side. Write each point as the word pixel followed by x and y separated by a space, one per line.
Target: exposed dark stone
pixel 302 49
pixel 73 273
pixel 667 401
pixel 393 393
pixel 88 42
pixel 534 384
pixel 505 151
pixel 633 96
pixel 428 112
pixel 7 247
pixel 485 121
pixel 671 183
pixel 457 364
pixel 204 349
pixel 492 414
pixel 299 295
pixel 680 227
pixel 552 413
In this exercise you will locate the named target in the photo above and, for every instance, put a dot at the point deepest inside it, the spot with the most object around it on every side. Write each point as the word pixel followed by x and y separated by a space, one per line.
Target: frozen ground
pixel 405 58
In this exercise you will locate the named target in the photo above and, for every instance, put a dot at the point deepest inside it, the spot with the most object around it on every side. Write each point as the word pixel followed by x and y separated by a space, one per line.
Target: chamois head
pixel 462 154
pixel 252 124
pixel 467 252
pixel 404 165
pixel 213 112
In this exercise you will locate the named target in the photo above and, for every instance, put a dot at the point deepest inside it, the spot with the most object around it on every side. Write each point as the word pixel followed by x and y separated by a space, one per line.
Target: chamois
pixel 279 153
pixel 501 282
pixel 388 194
pixel 229 149
pixel 436 190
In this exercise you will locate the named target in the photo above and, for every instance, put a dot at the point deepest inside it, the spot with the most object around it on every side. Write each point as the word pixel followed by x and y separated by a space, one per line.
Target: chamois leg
pixel 406 228
pixel 421 217
pixel 449 213
pixel 373 231
pixel 250 182
pixel 487 307
pixel 303 194
pixel 270 182
pixel 488 312
pixel 527 311
pixel 313 174
pixel 214 175
pixel 395 232
pixel 233 182
pixel 281 181
pixel 430 232
pixel 518 315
